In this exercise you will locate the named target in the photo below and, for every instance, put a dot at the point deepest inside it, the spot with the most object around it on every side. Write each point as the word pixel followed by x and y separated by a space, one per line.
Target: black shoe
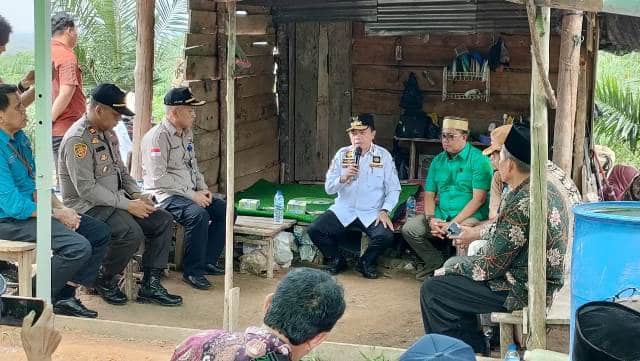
pixel 368 271
pixel 73 307
pixel 152 291
pixel 336 265
pixel 109 291
pixel 199 282
pixel 212 269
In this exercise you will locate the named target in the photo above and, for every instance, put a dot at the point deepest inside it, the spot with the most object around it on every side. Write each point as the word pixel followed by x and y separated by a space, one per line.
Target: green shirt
pixel 454 179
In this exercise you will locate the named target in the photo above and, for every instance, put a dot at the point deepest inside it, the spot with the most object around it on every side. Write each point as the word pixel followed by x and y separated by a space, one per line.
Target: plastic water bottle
pixel 278 208
pixel 411 207
pixel 512 353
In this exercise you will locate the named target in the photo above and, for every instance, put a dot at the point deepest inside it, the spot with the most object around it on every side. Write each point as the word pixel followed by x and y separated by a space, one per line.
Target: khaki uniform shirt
pixel 169 164
pixel 91 169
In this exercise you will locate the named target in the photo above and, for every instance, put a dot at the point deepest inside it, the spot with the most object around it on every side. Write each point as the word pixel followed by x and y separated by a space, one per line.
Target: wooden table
pixel 412 150
pixel 24 253
pixel 265 228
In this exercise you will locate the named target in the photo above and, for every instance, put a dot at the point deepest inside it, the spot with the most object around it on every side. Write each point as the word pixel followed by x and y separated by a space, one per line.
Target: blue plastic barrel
pixel 606 252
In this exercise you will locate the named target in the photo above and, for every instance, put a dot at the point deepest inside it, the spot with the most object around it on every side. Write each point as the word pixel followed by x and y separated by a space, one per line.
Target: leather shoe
pixel 199 282
pixel 336 265
pixel 109 291
pixel 213 270
pixel 73 307
pixel 368 271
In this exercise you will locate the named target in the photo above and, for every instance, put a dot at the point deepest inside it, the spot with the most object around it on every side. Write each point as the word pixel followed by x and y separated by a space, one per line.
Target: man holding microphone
pixel 366 181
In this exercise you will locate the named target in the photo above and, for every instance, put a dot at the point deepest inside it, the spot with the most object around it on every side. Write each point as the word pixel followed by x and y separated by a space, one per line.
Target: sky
pixel 19 13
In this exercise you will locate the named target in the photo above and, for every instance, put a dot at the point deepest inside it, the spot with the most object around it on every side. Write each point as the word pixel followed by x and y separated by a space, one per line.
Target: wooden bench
pixel 262 227
pixel 265 229
pixel 24 253
pixel 557 317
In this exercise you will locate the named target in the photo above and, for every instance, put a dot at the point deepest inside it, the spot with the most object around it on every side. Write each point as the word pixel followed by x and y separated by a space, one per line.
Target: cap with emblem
pixel 361 122
pixel 498 136
pixel 112 96
pixel 181 96
pixel 455 123
pixel 518 142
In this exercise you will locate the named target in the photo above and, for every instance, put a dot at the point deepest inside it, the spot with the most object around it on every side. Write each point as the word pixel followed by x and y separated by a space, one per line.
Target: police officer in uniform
pixel 95 181
pixel 171 173
pixel 365 178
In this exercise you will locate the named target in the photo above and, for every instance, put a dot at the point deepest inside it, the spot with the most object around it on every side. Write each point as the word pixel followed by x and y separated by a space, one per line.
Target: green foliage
pixel 107 41
pixel 618 98
pixel 14 67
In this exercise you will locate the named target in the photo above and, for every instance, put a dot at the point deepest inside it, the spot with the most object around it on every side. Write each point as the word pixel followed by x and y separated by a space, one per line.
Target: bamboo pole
pixel 145 10
pixel 538 202
pixel 568 72
pixel 230 63
pixel 44 153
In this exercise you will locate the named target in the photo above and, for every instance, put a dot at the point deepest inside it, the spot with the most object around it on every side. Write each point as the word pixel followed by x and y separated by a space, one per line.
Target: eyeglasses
pixel 449 136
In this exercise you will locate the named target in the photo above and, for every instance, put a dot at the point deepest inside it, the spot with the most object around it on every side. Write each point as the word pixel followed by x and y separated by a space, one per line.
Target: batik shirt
pixel 220 345
pixel 504 262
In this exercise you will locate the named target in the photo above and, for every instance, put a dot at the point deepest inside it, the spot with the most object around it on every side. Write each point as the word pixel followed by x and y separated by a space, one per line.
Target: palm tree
pixel 619 106
pixel 107 38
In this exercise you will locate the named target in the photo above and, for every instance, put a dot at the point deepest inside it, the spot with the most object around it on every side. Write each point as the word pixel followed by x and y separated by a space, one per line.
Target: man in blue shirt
pixel 78 242
pixel 365 178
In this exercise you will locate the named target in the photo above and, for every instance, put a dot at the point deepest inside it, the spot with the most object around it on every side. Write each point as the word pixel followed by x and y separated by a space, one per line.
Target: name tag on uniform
pixel 377 162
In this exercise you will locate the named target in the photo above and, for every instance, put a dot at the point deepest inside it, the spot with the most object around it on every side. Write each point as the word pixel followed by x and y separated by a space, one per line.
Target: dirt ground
pixel 383 312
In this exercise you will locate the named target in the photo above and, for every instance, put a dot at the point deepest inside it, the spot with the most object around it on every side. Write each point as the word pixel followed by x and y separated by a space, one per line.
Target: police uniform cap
pixel 181 96
pixel 112 96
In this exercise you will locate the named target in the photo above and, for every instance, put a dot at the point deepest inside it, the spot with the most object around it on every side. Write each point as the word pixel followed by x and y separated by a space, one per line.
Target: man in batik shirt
pixel 496 280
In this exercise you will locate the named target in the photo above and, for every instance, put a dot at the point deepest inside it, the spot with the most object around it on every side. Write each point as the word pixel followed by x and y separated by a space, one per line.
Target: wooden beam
pixel 580 128
pixel 543 70
pixel 145 10
pixel 537 269
pixel 620 7
pixel 568 73
pixel 230 64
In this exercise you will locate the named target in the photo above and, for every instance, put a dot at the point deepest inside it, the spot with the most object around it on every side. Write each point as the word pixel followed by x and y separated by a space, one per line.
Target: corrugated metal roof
pixel 399 17
pixel 302 10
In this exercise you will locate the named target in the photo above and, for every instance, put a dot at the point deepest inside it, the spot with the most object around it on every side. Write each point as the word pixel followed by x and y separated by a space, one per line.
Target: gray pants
pixel 418 234
pixel 127 232
pixel 71 251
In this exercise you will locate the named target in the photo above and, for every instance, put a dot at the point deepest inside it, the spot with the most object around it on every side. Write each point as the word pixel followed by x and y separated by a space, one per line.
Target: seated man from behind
pixel 298 317
pixel 455 191
pixel 94 180
pixel 365 178
pixel 496 280
pixel 171 173
pixel 78 242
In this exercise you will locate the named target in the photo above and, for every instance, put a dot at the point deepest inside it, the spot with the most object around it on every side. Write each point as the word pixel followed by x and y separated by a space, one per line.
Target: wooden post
pixel 568 72
pixel 580 128
pixel 538 188
pixel 230 64
pixel 145 10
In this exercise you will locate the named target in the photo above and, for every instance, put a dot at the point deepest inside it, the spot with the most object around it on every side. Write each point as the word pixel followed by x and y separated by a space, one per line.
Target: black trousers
pixel 127 232
pixel 450 305
pixel 326 231
pixel 76 255
pixel 204 231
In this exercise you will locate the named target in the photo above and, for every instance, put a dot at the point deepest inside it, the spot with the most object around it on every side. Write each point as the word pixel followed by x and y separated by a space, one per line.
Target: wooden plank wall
pixel 378 80
pixel 256 142
pixel 202 76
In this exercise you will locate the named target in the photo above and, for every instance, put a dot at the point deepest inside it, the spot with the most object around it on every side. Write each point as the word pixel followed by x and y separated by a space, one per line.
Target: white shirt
pixel 376 187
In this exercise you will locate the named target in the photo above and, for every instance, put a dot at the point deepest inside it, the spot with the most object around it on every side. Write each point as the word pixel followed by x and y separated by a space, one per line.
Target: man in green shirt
pixel 455 191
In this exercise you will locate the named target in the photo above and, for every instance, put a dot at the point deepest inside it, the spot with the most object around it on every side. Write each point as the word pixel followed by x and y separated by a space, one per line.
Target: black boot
pixel 108 289
pixel 336 265
pixel 152 291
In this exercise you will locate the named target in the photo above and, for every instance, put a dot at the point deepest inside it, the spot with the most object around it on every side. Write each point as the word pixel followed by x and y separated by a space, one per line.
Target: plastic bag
pixel 283 254
pixel 305 246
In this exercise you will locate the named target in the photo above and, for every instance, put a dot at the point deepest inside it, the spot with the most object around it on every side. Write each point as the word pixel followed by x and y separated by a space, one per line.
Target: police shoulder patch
pixel 80 150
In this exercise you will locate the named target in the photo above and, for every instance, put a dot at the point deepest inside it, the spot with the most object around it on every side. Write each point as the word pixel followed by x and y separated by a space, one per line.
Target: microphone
pixel 358 153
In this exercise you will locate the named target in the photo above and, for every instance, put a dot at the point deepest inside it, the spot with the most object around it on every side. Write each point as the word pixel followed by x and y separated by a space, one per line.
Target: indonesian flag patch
pixel 155 153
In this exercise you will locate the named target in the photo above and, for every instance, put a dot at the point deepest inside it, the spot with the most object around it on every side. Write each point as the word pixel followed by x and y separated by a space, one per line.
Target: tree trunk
pixel 568 72
pixel 145 10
